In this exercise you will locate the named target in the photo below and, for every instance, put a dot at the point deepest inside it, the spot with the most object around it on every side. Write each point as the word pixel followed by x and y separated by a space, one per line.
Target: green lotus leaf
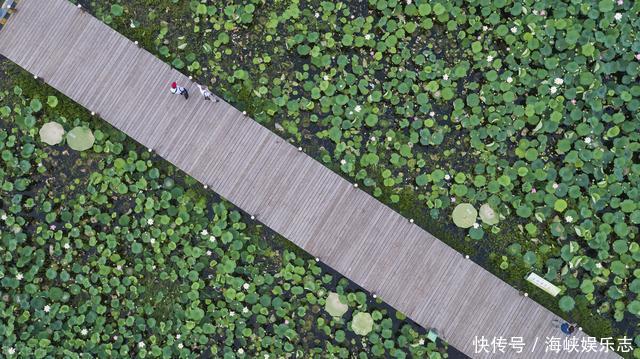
pixel 362 323
pixel 587 286
pixel 560 205
pixel 464 215
pixel 117 10
pixel 488 215
pixel 566 303
pixel 35 105
pixel 634 307
pixel 334 306
pixel 80 138
pixel 52 101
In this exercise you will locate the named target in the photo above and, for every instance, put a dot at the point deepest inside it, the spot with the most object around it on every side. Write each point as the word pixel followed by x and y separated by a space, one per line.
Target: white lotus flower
pixel 208 253
pixel 367 37
pixel 67 246
pixel 245 286
pixel 84 331
pixel 119 267
pixel 212 239
pixel 343 161
pixel 476 225
pixel 509 79
pixel 445 77
pixel 555 185
pixel 587 140
pixel 553 89
pixel 617 16
pixel 569 219
pixel 152 240
pixel 11 350
pixel 150 221
pixel 489 58
pixel 514 29
pixel 178 336
pixel 432 113
pixel 373 138
pixel 141 345
pixel 19 276
pixel 180 346
pixel 447 177
pixel 47 308
pixel 3 217
pixel 245 310
pixel 240 351
pixel 204 232
pixel 558 81
pixel 358 108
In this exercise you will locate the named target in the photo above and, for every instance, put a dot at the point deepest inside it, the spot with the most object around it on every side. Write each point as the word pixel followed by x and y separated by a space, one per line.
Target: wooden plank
pixel 266 176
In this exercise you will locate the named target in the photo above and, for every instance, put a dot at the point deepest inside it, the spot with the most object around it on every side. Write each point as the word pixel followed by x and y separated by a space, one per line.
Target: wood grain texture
pixel 285 189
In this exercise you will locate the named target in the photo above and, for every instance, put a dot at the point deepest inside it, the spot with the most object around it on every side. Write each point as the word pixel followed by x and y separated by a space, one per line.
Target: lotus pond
pixel 508 129
pixel 110 251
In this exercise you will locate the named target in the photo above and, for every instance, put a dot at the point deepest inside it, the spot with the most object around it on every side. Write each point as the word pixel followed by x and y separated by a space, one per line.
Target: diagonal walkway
pixel 265 176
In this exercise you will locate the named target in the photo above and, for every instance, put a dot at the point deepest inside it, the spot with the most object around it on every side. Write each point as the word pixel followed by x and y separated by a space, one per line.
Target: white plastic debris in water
pixel 543 284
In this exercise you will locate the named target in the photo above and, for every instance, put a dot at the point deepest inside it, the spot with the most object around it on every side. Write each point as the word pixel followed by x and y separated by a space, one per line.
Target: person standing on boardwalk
pixel 207 94
pixel 179 90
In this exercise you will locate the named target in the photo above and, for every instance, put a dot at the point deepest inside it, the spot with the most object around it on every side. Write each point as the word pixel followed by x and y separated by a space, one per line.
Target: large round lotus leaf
pixel 80 138
pixel 488 215
pixel 464 215
pixel 51 133
pixel 362 323
pixel 334 306
pixel 566 303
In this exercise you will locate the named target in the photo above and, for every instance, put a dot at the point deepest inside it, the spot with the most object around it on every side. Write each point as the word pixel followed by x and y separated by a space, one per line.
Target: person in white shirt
pixel 179 90
pixel 207 94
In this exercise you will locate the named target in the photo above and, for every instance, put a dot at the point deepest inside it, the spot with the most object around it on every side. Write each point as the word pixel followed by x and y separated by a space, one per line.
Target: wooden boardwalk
pixel 266 176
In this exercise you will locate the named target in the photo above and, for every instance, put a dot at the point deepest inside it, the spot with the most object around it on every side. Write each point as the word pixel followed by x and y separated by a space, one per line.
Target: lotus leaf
pixel 362 323
pixel 464 215
pixel 488 215
pixel 566 303
pixel 334 306
pixel 80 138
pixel 51 133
